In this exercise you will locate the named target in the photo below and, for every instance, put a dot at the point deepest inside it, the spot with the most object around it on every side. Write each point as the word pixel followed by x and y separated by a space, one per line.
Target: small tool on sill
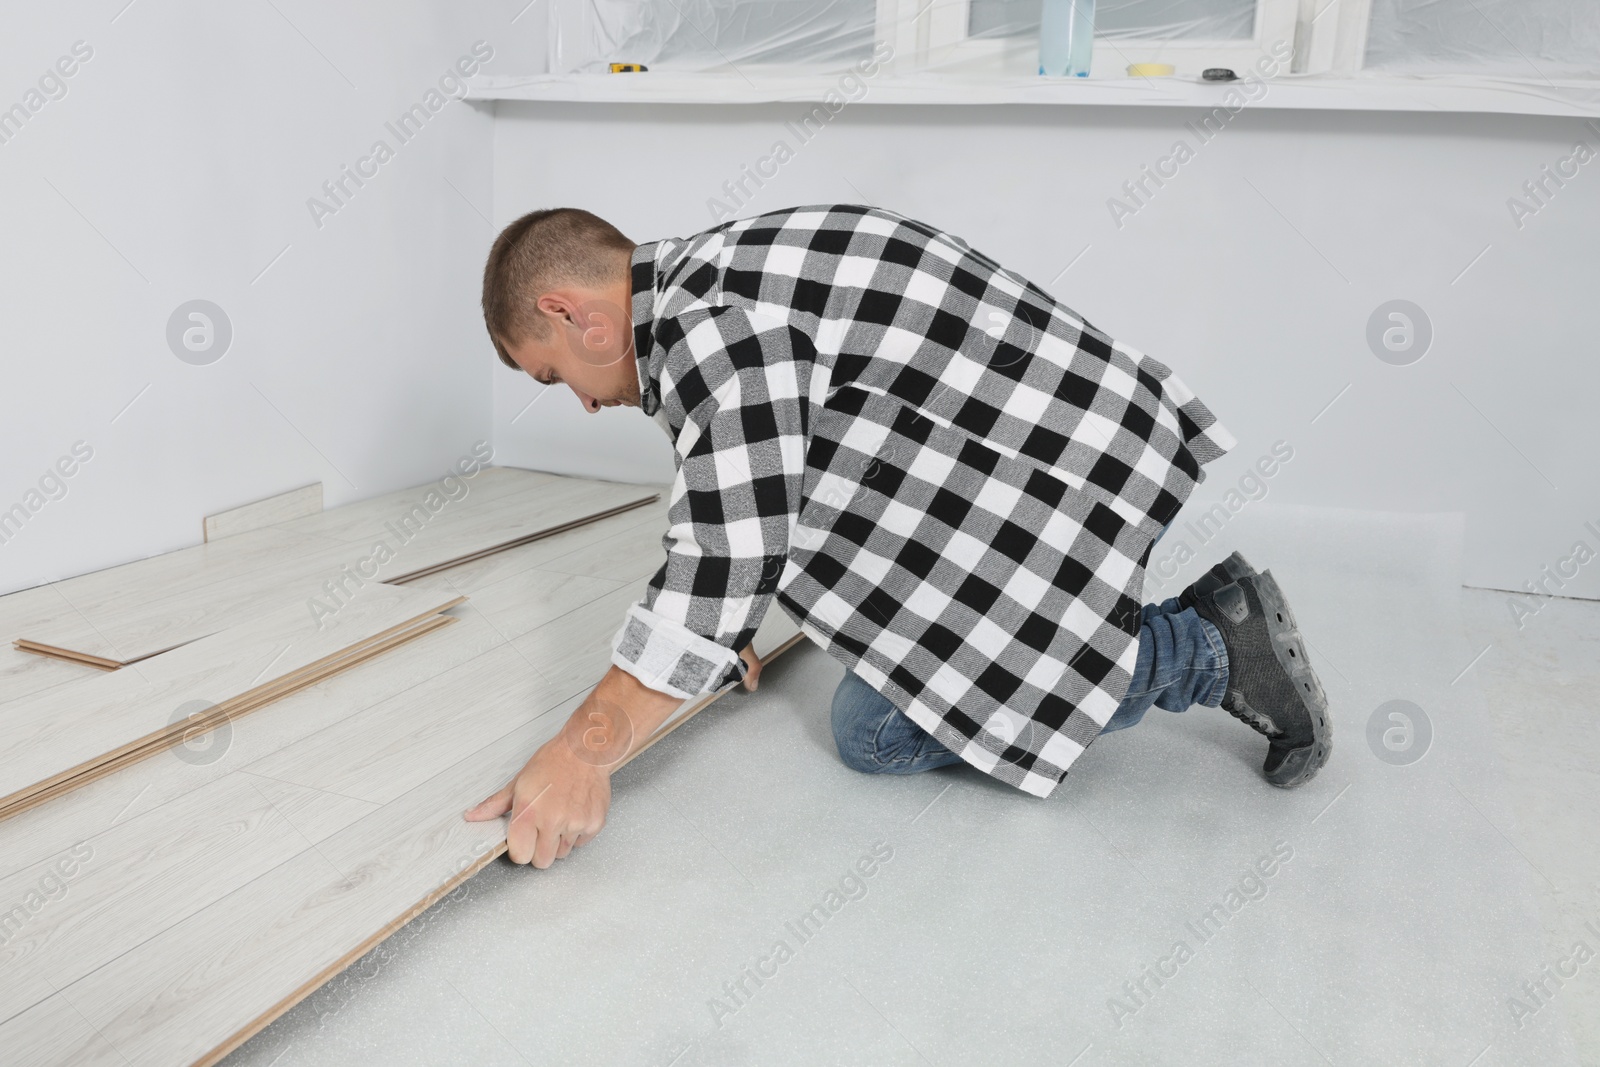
pixel 627 68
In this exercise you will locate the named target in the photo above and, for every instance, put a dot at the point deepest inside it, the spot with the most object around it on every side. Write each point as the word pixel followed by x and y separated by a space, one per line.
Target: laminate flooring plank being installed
pixel 66 732
pixel 132 877
pixel 385 753
pixel 42 832
pixel 323 557
pixel 207 720
pixel 203 985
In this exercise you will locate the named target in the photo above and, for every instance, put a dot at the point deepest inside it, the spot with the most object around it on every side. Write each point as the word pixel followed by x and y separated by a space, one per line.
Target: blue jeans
pixel 1181 662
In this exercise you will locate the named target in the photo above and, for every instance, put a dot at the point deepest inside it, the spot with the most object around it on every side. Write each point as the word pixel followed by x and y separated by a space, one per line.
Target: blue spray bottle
pixel 1066 38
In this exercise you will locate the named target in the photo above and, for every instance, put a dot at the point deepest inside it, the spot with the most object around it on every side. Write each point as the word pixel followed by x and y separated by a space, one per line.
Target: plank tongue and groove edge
pixel 127 614
pixel 63 734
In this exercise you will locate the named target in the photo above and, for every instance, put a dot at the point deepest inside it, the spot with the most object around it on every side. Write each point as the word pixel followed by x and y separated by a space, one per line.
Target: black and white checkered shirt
pixel 947 477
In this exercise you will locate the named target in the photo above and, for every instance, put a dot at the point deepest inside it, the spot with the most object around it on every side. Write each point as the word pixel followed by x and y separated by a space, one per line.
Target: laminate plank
pixel 144 620
pixel 360 522
pixel 34 834
pixel 180 996
pixel 295 504
pixel 469 576
pixel 390 748
pixel 455 536
pixel 636 552
pixel 575 653
pixel 426 714
pixel 54 1032
pixel 183 570
pixel 23 673
pixel 287 933
pixel 59 731
pixel 220 717
pixel 136 878
pixel 38 833
pixel 526 600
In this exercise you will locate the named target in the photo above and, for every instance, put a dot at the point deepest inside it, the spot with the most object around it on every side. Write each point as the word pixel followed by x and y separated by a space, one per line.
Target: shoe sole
pixel 1301 764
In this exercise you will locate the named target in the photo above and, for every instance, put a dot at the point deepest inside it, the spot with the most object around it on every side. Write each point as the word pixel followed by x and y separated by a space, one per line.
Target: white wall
pixel 1252 272
pixel 179 162
pixel 177 166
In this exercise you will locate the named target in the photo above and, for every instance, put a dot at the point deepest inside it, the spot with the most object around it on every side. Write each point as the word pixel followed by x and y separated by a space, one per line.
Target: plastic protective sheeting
pixel 1209 20
pixel 1528 38
pixel 703 35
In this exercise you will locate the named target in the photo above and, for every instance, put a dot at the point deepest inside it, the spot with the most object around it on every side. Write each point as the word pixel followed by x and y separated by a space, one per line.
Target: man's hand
pixel 752 662
pixel 559 799
pixel 557 802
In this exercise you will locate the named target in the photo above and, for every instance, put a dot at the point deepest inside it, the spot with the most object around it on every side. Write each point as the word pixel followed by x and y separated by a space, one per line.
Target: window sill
pixel 1317 92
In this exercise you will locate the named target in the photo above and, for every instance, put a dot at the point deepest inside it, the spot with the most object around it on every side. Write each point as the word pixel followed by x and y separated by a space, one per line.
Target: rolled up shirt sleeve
pixel 736 384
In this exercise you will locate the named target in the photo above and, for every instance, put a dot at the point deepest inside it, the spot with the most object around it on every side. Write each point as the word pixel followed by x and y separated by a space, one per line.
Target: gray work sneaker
pixel 1271 686
pixel 1228 571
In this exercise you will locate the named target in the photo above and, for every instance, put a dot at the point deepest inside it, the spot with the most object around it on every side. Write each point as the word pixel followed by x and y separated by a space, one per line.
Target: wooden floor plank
pixel 180 996
pixel 42 832
pixel 373 787
pixel 32 835
pixel 360 522
pixel 136 879
pixel 57 732
pixel 472 575
pixel 527 599
pixel 223 716
pixel 138 616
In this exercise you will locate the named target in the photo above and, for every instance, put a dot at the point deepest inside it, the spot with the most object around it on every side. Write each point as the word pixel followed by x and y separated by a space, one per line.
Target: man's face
pixel 590 349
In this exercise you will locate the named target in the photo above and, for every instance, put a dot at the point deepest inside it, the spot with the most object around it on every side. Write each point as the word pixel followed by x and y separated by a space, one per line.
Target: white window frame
pixel 1333 36
pixel 932 35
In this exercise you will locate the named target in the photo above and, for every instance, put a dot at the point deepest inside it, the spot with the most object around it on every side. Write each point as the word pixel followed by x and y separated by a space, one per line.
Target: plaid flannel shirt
pixel 949 479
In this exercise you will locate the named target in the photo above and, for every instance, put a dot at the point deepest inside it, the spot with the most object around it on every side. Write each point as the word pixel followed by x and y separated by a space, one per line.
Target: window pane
pixel 1531 38
pixel 1224 20
pixel 702 34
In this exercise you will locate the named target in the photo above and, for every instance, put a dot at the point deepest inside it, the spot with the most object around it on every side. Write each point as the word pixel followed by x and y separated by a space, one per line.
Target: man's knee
pixel 858 713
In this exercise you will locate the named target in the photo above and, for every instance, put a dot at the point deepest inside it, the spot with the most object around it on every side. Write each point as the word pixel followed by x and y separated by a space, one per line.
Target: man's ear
pixel 558 308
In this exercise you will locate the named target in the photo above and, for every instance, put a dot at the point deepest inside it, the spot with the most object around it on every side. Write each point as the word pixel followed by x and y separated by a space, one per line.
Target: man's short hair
pixel 539 252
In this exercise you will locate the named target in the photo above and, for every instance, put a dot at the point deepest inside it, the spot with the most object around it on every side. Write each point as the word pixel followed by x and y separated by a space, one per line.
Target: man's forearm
pixel 615 719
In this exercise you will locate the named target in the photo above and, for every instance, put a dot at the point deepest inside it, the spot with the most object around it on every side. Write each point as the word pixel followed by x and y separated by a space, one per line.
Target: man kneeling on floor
pixel 948 478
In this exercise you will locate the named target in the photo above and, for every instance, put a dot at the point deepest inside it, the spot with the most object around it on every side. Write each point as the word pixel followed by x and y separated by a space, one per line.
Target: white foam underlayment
pixel 1002 928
